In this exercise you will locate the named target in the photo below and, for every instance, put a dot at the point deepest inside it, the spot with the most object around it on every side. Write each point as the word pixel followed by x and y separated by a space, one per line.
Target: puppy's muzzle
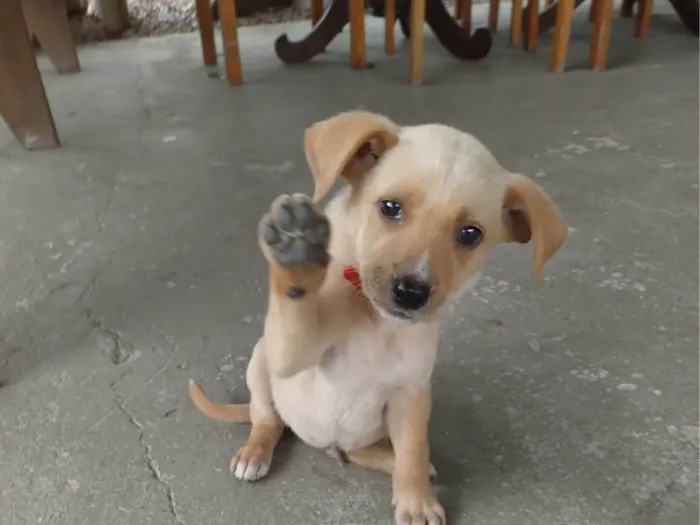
pixel 410 292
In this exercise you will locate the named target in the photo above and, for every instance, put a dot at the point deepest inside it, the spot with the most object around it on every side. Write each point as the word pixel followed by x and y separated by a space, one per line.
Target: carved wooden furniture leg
pixel 627 8
pixel 533 17
pixel 357 33
pixel 23 102
pixel 316 11
pixel 641 26
pixel 562 30
pixel 389 23
pixel 332 23
pixel 229 33
pixel 494 6
pixel 453 37
pixel 48 21
pixel 205 21
pixel 516 22
pixel 416 58
pixel 601 35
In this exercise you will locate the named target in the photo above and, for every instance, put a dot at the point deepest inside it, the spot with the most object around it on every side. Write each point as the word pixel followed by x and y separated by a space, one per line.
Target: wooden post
pixel 533 25
pixel 601 35
pixel 516 22
pixel 357 33
pixel 48 21
pixel 23 102
pixel 205 21
pixel 229 33
pixel 416 58
pixel 562 31
pixel 389 23
pixel 643 21
pixel 494 6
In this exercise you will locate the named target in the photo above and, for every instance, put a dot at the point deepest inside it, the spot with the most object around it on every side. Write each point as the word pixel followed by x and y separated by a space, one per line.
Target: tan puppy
pixel 346 358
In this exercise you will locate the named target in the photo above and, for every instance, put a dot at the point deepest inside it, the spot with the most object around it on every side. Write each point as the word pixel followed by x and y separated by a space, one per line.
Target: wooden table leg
pixel 229 33
pixel 600 41
pixel 389 23
pixel 205 20
pixel 416 57
pixel 533 17
pixel 516 22
pixel 494 6
pixel 23 102
pixel 643 21
pixel 316 11
pixel 48 21
pixel 357 33
pixel 562 31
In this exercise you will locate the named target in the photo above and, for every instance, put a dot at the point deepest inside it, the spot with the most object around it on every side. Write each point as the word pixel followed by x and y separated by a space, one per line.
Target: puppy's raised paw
pixel 294 232
pixel 418 507
pixel 251 462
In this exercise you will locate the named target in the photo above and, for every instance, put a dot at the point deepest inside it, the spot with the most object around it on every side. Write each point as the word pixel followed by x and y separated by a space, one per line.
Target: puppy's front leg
pixel 294 239
pixel 407 418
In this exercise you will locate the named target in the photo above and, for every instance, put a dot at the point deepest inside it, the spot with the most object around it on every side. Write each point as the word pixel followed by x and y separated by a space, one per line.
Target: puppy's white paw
pixel 417 506
pixel 251 463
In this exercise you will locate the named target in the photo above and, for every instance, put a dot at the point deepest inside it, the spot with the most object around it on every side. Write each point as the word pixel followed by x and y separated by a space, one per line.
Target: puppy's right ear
pixel 347 145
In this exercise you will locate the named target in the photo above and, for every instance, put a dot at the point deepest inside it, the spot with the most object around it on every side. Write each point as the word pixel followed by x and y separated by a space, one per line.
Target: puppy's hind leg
pixel 252 461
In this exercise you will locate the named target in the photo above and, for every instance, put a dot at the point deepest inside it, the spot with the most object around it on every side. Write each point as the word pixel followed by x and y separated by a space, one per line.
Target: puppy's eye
pixel 469 236
pixel 391 209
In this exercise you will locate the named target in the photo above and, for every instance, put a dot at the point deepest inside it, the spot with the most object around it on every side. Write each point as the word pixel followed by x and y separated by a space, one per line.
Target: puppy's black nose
pixel 410 292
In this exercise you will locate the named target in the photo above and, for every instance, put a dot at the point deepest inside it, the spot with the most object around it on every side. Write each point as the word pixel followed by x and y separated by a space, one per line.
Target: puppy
pixel 357 292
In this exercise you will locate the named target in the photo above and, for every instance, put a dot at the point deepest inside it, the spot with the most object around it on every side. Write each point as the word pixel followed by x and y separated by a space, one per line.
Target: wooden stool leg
pixel 562 31
pixel 533 25
pixel 23 102
pixel 229 33
pixel 316 11
pixel 48 20
pixel 494 5
pixel 205 21
pixel 357 33
pixel 627 8
pixel 465 15
pixel 416 58
pixel 601 36
pixel 641 26
pixel 389 23
pixel 516 22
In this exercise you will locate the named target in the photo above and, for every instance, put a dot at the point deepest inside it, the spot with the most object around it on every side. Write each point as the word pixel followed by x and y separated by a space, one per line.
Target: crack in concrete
pixel 150 461
pixel 114 345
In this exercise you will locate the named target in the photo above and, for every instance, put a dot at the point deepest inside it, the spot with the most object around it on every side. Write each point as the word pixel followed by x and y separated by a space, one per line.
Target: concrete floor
pixel 128 264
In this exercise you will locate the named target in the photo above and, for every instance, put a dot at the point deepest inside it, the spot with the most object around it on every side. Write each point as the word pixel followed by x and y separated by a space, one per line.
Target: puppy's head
pixel 427 205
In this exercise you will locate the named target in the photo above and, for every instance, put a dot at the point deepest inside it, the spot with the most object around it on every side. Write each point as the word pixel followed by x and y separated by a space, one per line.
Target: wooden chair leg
pixel 316 11
pixel 205 21
pixel 494 6
pixel 23 102
pixel 643 21
pixel 592 10
pixel 465 15
pixel 229 33
pixel 601 36
pixel 416 58
pixel 389 23
pixel 562 31
pixel 48 21
pixel 533 24
pixel 516 22
pixel 357 33
pixel 627 8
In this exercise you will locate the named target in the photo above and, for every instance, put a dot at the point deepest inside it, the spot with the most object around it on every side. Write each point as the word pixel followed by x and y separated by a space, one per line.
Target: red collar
pixel 353 277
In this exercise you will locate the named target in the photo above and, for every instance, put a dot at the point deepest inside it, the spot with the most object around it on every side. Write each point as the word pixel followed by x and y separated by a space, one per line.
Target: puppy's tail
pixel 228 413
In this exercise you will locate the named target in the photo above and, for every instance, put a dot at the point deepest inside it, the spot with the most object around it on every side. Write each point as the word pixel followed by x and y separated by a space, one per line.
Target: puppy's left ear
pixel 529 213
pixel 347 145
